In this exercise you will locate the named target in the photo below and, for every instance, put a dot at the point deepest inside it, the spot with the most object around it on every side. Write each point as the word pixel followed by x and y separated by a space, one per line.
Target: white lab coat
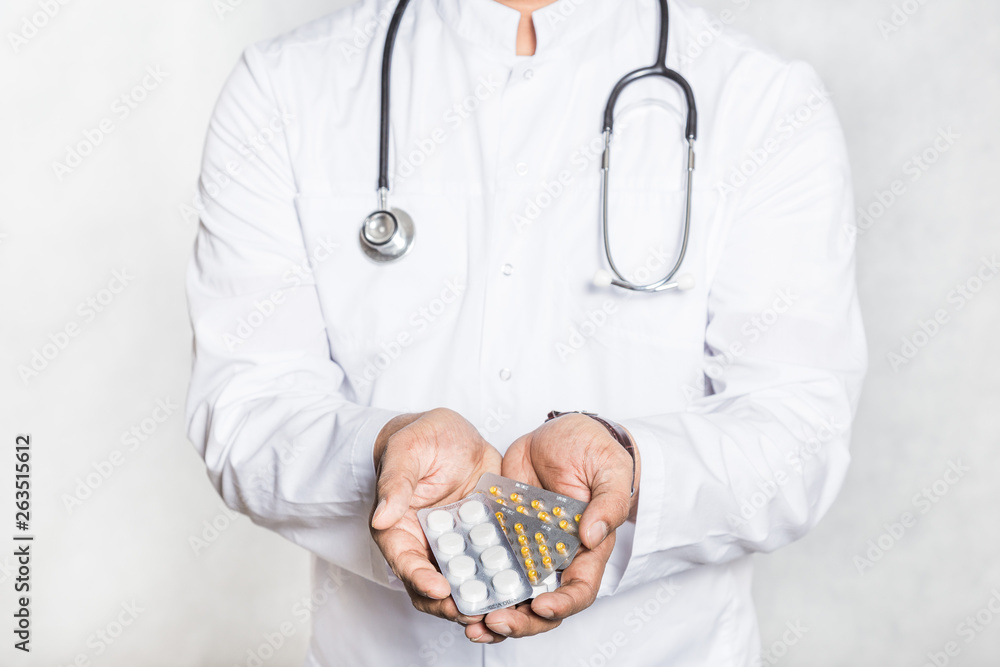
pixel 739 392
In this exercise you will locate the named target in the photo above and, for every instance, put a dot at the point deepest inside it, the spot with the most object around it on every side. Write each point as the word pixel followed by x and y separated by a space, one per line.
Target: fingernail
pixel 483 639
pixel 501 629
pixel 598 532
pixel 378 510
pixel 544 613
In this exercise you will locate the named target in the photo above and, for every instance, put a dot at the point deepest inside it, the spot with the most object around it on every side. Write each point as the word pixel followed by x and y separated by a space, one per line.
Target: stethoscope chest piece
pixel 387 235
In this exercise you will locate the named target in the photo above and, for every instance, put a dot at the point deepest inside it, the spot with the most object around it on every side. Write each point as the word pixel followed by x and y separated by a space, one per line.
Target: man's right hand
pixel 425 460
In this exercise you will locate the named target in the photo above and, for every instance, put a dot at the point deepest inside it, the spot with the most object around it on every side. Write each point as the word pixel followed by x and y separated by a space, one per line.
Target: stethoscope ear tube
pixel 659 69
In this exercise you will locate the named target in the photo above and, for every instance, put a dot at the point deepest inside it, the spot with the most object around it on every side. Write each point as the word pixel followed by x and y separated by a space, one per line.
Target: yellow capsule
pixel 543 516
pixel 560 547
pixel 547 563
pixel 557 510
pixel 535 504
pixel 525 552
pixel 542 549
pixel 518 528
pixel 495 490
pixel 577 518
pixel 529 563
pixel 515 497
pixel 522 540
pixel 522 509
pixel 533 576
pixel 564 524
pixel 540 538
pixel 501 501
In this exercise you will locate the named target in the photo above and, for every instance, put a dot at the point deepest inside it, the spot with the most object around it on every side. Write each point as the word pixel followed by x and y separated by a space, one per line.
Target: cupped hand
pixel 426 460
pixel 576 456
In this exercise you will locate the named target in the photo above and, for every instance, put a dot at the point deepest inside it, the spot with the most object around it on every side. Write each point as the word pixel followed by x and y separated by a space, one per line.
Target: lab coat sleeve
pixel 755 463
pixel 265 408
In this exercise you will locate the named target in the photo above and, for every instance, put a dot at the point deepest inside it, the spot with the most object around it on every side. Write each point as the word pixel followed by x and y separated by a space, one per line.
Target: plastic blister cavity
pixel 481 566
pixel 553 510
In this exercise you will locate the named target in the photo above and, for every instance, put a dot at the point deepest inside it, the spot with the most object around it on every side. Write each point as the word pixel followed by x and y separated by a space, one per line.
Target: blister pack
pixel 552 509
pixel 468 541
pixel 542 549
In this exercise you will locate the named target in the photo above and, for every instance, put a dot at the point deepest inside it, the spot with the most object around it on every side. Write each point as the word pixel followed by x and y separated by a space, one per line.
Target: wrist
pixel 622 436
pixel 634 510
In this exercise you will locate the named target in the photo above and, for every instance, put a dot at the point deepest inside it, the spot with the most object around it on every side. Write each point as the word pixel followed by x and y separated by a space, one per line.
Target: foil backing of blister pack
pixel 468 542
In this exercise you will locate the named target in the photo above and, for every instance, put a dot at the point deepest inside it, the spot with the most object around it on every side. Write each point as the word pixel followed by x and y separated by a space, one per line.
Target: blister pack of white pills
pixel 472 552
pixel 551 509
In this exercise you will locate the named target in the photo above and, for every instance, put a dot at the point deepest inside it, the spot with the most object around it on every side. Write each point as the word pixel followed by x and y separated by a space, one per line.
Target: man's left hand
pixel 576 456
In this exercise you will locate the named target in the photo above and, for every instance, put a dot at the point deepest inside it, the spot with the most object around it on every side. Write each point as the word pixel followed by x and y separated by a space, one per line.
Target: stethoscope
pixel 387 234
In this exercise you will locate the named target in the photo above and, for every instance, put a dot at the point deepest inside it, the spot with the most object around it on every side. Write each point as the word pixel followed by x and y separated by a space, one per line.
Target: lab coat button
pixel 505 374
pixel 528 73
pixel 508 269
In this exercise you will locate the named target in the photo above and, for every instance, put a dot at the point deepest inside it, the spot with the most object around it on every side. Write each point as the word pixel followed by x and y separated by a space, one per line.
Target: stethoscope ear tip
pixel 685 282
pixel 602 279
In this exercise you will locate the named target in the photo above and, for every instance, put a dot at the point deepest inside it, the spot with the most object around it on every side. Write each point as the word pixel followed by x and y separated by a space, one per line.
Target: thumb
pixel 396 483
pixel 609 507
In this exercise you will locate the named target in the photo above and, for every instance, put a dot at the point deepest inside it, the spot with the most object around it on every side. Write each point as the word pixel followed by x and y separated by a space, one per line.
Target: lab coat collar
pixel 493 25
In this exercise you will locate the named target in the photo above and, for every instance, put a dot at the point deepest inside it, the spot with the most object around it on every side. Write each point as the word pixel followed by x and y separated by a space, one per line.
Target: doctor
pixel 333 395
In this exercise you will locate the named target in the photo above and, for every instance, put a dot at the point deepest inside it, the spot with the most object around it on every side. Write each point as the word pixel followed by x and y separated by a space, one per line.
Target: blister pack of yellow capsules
pixel 548 520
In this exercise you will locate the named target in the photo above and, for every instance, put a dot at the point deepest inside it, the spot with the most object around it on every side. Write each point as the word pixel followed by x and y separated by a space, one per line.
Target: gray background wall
pixel 129 542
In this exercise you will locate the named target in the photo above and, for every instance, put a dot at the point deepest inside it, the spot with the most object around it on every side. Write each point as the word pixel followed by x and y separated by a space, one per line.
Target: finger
pixel 480 634
pixel 579 584
pixel 400 473
pixel 409 559
pixel 446 609
pixel 519 621
pixel 610 502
